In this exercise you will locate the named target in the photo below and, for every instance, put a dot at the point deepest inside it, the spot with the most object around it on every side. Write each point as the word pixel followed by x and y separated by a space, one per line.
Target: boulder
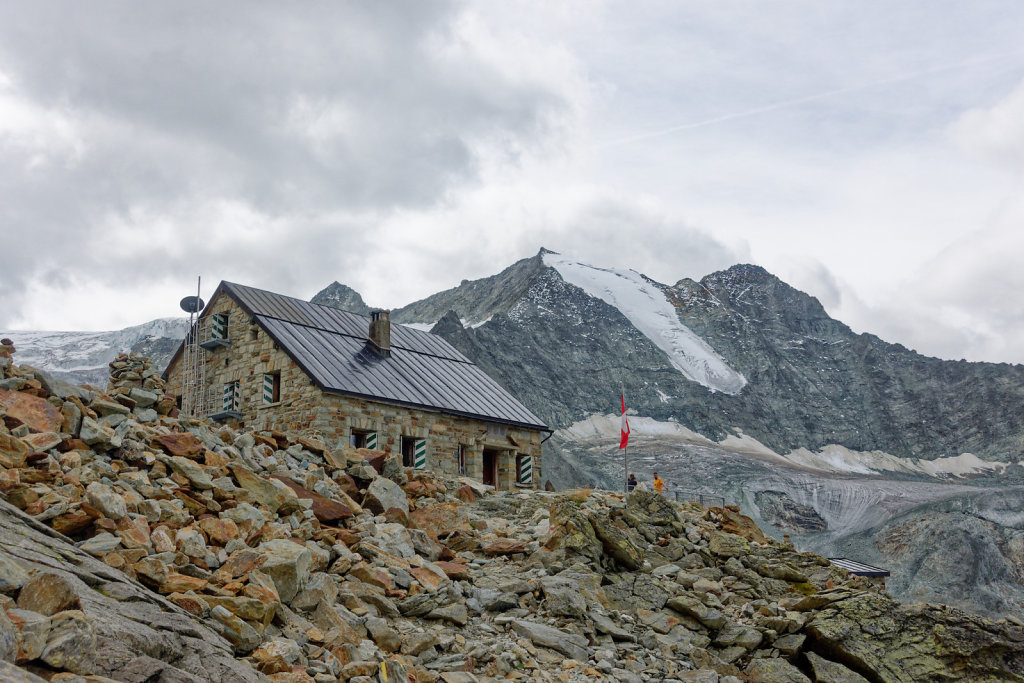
pixel 71 643
pixel 36 413
pixel 288 565
pixel 617 543
pixel 383 494
pixel 569 644
pixel 269 492
pixel 47 594
pixel 183 444
pixel 326 510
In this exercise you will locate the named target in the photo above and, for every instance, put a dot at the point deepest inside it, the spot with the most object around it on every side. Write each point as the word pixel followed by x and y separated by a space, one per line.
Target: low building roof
pixel 422 371
pixel 858 568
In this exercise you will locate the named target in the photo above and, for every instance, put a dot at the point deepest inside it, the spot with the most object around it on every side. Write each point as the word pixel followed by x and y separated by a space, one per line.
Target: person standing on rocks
pixel 659 484
pixel 631 483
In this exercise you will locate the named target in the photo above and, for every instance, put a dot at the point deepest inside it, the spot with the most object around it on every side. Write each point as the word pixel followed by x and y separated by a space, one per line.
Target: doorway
pixel 490 473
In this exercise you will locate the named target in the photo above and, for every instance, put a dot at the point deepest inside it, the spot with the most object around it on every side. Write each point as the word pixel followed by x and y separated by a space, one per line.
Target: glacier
pixel 645 306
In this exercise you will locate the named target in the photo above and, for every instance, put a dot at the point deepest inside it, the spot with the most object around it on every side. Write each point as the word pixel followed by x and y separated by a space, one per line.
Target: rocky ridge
pixel 142 546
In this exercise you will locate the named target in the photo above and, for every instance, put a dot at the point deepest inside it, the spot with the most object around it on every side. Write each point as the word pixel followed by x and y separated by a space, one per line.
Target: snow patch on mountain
pixel 645 306
pixel 427 327
pixel 833 458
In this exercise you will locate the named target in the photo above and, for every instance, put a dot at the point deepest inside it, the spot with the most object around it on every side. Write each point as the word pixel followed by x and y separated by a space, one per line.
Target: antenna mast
pixel 193 370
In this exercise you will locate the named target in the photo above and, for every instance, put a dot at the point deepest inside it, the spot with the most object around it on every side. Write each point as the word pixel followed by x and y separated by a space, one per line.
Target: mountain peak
pixel 337 295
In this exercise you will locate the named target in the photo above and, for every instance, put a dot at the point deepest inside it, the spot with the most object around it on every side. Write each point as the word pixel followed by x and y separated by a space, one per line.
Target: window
pixel 524 468
pixel 461 458
pixel 361 438
pixel 272 387
pixel 414 452
pixel 219 326
pixel 232 397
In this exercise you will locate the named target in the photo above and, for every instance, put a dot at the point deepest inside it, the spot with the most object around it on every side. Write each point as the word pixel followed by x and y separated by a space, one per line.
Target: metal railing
pixel 705 499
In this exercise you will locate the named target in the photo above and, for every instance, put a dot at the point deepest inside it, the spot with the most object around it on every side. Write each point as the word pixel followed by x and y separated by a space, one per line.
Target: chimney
pixel 380 332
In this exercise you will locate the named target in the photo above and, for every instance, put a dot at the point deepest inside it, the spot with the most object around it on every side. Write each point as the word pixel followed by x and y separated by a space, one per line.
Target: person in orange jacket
pixel 659 484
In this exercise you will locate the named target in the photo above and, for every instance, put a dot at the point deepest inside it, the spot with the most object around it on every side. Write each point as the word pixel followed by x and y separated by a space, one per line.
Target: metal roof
pixel 423 370
pixel 858 568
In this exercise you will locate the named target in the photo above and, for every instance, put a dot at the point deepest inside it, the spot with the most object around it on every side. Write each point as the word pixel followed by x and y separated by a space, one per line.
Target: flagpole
pixel 625 450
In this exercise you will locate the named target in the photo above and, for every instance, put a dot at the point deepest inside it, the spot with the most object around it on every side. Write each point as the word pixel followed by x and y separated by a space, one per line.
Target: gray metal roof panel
pixel 343 363
pixel 269 304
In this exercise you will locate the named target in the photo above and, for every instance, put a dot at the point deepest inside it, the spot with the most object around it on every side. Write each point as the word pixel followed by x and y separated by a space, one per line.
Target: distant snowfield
pixel 646 307
pixel 82 351
pixel 832 458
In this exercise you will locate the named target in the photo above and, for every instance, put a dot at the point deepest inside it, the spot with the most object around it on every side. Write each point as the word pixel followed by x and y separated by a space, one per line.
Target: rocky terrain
pixel 140 546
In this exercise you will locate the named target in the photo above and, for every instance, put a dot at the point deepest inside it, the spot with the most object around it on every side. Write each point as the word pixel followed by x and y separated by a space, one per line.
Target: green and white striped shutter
pixel 371 440
pixel 526 469
pixel 219 326
pixel 231 396
pixel 420 454
pixel 268 388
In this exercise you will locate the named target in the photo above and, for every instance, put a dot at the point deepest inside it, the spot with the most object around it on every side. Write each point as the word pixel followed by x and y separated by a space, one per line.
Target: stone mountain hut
pixel 274 362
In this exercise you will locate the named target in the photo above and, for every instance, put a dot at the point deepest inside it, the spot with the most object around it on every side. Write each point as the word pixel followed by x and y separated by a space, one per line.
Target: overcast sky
pixel 868 152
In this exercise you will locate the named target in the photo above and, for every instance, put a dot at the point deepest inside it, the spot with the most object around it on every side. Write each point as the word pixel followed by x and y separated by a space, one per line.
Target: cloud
pixel 994 134
pixel 145 142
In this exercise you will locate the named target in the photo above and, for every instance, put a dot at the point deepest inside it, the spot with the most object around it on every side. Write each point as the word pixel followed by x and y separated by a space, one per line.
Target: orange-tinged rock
pixel 71 523
pixel 219 531
pixel 184 444
pixel 215 460
pixel 414 489
pixel 47 594
pixel 180 583
pixel 326 510
pixel 134 533
pixel 12 450
pixel 465 494
pixel 441 519
pixel 192 604
pixel 428 579
pixel 504 546
pixel 375 577
pixel 36 413
pixel 241 562
pixel 735 523
pixel 43 441
pixel 454 570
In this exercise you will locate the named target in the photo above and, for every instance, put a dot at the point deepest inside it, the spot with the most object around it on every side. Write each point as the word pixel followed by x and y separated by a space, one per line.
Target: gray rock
pixel 71 643
pixel 12 575
pixel 563 598
pixel 10 673
pixel 191 470
pixel 33 630
pixel 774 671
pixel 826 671
pixel 105 499
pixel 8 638
pixel 98 435
pixel 569 644
pixel 383 494
pixel 238 632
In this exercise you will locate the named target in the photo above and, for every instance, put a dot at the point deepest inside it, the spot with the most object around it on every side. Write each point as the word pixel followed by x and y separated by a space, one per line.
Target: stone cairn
pixel 139 546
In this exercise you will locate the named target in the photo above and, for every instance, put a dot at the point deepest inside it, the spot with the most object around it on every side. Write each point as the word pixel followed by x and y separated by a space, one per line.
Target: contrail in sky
pixel 801 100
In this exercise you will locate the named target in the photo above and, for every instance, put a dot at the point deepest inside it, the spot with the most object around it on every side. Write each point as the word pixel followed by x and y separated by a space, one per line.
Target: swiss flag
pixel 624 439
